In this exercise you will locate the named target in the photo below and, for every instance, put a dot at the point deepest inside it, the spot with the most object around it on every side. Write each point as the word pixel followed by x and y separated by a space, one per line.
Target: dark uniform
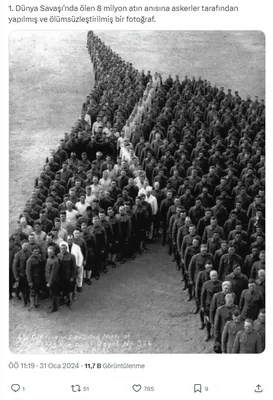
pixel 109 234
pixel 229 333
pixel 218 300
pixel 189 253
pixel 227 263
pixel 209 231
pixel 223 314
pixel 86 219
pixel 19 272
pixel 255 268
pixel 202 277
pixel 172 220
pixel 116 234
pixel 178 223
pixel 90 241
pixel 52 270
pixel 251 303
pixel 13 249
pixel 100 249
pixel 139 219
pixel 181 233
pixel 35 275
pixel 209 289
pixel 260 286
pixel 247 343
pixel 67 274
pixel 197 264
pixel 165 205
pixel 187 242
pixel 238 283
pixel 217 257
pixel 125 228
pixel 259 327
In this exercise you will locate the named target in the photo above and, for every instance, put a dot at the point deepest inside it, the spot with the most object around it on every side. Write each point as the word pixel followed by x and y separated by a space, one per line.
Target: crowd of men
pixel 178 162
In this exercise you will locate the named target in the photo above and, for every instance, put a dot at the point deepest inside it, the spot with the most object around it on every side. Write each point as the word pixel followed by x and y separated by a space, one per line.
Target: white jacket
pixel 153 201
pixel 76 251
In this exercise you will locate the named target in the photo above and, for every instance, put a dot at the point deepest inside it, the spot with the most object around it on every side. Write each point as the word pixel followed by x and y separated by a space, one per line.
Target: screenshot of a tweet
pixel 134 164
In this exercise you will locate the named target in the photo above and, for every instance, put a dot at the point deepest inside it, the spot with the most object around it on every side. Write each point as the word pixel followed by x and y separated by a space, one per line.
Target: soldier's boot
pixel 55 304
pixel 26 299
pixel 18 294
pixel 114 256
pixel 88 277
pixel 169 244
pixel 208 328
pixel 202 319
pixel 74 293
pixel 70 300
pixel 186 281
pixel 173 252
pixel 32 306
pixel 104 267
pixel 36 301
pixel 197 308
pixel 178 262
pixel 190 292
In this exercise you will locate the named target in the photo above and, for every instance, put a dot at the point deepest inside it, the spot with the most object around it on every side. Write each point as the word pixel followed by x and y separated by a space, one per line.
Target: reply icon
pixel 15 387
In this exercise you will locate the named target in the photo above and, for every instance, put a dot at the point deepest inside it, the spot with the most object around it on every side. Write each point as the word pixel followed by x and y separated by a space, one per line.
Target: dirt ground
pixel 139 307
pixel 50 75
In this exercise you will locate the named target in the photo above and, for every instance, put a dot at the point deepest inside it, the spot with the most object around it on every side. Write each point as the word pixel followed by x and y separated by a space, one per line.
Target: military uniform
pixel 13 249
pixel 100 249
pixel 90 241
pixel 164 208
pixel 218 300
pixel 210 230
pixel 223 314
pixel 52 277
pixel 187 242
pixel 35 275
pixel 176 225
pixel 209 289
pixel 19 272
pixel 227 263
pixel 197 264
pixel 238 283
pixel 116 234
pixel 67 274
pixel 229 333
pixel 202 277
pixel 247 343
pixel 125 228
pixel 259 327
pixel 251 303
pixel 255 268
pixel 109 234
pixel 260 286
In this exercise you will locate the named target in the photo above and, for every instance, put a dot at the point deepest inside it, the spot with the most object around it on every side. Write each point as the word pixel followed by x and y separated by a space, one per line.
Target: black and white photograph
pixel 137 192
